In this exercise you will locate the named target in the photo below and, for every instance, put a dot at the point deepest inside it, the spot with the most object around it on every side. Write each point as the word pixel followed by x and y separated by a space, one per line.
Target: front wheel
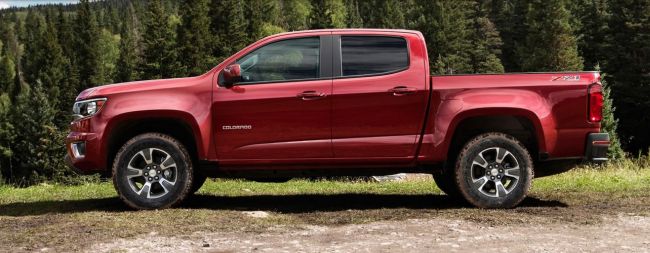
pixel 152 171
pixel 494 170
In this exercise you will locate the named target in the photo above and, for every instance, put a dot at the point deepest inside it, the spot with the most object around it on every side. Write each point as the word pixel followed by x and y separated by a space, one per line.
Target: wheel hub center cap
pixel 152 172
pixel 494 172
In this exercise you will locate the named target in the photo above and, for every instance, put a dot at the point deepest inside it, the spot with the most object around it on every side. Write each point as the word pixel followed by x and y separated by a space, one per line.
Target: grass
pixel 56 216
pixel 614 178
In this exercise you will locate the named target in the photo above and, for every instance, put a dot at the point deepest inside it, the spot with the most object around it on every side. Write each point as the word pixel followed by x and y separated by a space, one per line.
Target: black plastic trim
pixel 597 152
pixel 336 57
pixel 326 60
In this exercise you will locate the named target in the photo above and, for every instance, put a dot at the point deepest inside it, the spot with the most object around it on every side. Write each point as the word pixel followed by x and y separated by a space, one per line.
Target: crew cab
pixel 337 102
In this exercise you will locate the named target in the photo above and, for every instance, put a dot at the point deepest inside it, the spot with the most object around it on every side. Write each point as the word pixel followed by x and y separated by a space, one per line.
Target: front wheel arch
pixel 122 129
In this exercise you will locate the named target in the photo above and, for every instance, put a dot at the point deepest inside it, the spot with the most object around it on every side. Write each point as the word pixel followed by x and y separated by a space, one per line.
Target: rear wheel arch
pixel 522 124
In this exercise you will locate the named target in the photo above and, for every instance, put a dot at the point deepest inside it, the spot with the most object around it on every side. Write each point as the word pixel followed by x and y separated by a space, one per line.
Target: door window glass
pixel 368 55
pixel 293 59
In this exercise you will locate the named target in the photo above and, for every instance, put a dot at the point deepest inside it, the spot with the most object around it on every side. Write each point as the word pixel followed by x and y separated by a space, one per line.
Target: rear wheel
pixel 152 171
pixel 494 170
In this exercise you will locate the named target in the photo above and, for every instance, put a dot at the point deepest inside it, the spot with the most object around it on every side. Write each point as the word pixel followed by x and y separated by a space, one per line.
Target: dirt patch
pixel 347 217
pixel 623 232
pixel 347 223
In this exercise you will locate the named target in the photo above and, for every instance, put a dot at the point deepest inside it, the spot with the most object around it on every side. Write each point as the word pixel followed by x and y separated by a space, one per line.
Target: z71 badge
pixel 565 78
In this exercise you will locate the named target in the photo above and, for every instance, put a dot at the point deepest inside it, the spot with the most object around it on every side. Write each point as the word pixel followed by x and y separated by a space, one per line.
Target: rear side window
pixel 369 55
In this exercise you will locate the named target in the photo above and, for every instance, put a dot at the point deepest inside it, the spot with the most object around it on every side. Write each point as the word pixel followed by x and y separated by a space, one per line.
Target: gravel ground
pixel 623 232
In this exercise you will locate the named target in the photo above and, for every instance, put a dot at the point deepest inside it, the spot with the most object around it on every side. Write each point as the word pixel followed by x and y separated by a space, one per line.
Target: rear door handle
pixel 402 90
pixel 311 95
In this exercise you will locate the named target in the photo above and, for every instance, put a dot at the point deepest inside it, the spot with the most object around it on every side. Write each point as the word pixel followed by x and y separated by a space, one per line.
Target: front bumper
pixel 597 147
pixel 86 160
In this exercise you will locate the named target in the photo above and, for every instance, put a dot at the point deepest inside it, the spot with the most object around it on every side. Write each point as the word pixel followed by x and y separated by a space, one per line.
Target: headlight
pixel 86 108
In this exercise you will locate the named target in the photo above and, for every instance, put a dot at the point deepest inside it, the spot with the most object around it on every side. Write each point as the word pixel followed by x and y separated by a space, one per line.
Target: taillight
pixel 595 103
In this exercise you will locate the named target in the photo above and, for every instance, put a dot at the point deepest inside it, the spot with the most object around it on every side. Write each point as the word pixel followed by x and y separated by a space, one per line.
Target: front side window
pixel 285 60
pixel 370 55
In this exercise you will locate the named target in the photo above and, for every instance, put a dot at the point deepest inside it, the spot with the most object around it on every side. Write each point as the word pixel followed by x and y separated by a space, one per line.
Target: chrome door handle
pixel 311 95
pixel 402 90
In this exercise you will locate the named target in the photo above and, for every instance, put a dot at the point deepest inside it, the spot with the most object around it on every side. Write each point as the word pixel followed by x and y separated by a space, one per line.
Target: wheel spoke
pixel 147 154
pixel 133 172
pixel 480 161
pixel 167 163
pixel 513 172
pixel 500 189
pixel 166 184
pixel 501 154
pixel 480 182
pixel 145 190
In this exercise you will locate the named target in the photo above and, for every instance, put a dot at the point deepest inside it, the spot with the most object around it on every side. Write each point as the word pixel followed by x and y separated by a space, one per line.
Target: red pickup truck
pixel 337 102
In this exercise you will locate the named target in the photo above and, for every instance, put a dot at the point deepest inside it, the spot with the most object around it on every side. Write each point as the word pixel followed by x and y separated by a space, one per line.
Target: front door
pixel 282 107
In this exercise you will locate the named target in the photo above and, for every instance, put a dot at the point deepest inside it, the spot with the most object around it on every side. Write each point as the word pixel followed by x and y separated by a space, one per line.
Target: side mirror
pixel 232 74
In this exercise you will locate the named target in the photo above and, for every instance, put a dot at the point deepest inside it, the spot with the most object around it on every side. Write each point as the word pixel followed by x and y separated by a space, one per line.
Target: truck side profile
pixel 337 102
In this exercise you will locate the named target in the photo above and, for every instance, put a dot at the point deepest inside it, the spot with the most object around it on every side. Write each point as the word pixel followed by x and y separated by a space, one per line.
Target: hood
pixel 137 86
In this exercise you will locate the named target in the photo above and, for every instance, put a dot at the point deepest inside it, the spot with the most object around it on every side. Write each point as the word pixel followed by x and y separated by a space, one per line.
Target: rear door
pixel 379 96
pixel 282 108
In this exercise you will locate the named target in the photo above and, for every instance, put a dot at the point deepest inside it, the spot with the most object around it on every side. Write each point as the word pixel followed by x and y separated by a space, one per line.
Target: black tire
pixel 132 172
pixel 447 184
pixel 198 181
pixel 494 170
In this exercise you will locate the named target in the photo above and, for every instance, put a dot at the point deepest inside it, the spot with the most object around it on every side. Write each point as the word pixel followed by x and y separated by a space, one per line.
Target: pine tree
pixel 11 46
pixel 194 38
pixel 65 34
pixel 229 24
pixel 448 34
pixel 18 86
pixel 550 44
pixel 264 18
pixel 609 124
pixel 111 19
pixel 34 57
pixel 7 136
pixel 127 61
pixel 7 72
pixel 130 46
pixel 354 19
pixel 509 17
pixel 37 148
pixel 328 14
pixel 628 66
pixel 108 44
pixel 159 55
pixel 592 40
pixel 86 45
pixel 296 14
pixel 391 14
pixel 52 72
pixel 486 42
pixel 19 27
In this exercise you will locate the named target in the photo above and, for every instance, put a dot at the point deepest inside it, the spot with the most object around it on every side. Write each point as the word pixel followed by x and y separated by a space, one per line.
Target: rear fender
pixel 480 102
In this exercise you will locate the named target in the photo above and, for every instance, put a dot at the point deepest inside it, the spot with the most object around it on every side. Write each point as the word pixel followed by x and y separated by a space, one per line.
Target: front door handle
pixel 311 95
pixel 402 90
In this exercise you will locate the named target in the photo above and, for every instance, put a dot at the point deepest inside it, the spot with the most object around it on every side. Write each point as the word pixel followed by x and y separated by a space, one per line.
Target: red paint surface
pixel 356 121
